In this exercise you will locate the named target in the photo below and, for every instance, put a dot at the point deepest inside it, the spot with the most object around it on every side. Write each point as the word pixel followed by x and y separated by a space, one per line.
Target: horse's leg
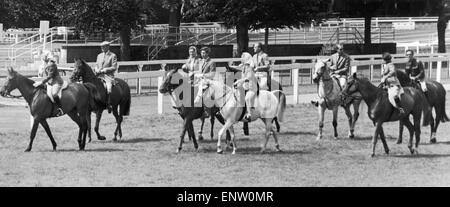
pixel 228 124
pixel 97 123
pixel 200 133
pixel 434 123
pixel 410 127
pixel 88 119
pixel 277 145
pixel 118 122
pixel 276 123
pixel 49 133
pixel 268 124
pixel 383 140
pixel 350 122
pixel 183 132
pixel 375 137
pixel 32 134
pixel 212 120
pixel 191 132
pixel 233 140
pixel 417 132
pixel 246 130
pixel 335 115
pixel 400 132
pixel 74 116
pixel 84 128
pixel 321 117
pixel 355 116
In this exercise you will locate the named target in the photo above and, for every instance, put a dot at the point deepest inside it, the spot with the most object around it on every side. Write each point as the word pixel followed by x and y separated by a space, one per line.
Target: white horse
pixel 268 105
pixel 329 92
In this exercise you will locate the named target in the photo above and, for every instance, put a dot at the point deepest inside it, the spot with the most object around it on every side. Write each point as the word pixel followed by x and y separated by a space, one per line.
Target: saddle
pixel 49 94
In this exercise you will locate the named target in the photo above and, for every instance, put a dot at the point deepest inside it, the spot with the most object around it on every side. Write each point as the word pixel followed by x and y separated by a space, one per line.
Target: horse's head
pixel 320 70
pixel 11 82
pixel 80 70
pixel 351 86
pixel 172 80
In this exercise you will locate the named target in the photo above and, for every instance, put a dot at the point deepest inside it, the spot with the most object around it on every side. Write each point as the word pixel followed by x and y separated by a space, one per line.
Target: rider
pixel 46 56
pixel 207 68
pixel 415 70
pixel 340 65
pixel 389 79
pixel 249 83
pixel 262 66
pixel 55 82
pixel 105 67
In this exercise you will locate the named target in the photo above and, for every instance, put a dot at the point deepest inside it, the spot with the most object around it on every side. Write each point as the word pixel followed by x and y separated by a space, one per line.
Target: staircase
pixel 343 35
pixel 157 43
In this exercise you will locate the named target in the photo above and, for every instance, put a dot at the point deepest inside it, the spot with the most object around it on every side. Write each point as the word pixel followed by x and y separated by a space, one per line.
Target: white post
pixel 138 83
pixel 438 71
pixel 432 48
pixel 295 83
pixel 354 69
pixel 160 96
pixel 371 70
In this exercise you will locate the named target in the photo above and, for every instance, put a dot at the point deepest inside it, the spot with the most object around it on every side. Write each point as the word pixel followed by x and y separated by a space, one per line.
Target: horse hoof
pixel 200 138
pixel 234 152
pixel 114 140
pixel 387 152
pixel 318 138
pixel 412 151
pixel 101 138
pixel 351 136
pixel 219 151
pixel 178 150
pixel 335 137
pixel 433 140
pixel 27 150
pixel 372 155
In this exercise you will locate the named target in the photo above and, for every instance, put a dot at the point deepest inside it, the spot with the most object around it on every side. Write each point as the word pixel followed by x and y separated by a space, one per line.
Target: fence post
pixel 438 71
pixel 160 96
pixel 371 70
pixel 430 67
pixel 138 83
pixel 295 82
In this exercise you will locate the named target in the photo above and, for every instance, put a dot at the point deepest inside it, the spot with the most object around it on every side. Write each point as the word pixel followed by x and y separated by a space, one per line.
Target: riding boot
pixel 315 103
pixel 426 94
pixel 58 103
pixel 399 105
pixel 108 104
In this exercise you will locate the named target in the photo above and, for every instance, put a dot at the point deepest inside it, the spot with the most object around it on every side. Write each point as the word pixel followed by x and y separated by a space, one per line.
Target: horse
pixel 436 99
pixel 120 97
pixel 275 85
pixel 329 92
pixel 268 105
pixel 380 110
pixel 173 82
pixel 76 102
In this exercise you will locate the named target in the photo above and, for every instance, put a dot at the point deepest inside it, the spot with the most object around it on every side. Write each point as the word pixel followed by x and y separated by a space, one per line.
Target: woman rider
pixel 55 82
pixel 249 83
pixel 390 80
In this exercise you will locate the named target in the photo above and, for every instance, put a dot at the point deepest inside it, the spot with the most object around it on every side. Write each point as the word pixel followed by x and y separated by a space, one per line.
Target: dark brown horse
pixel 75 100
pixel 436 99
pixel 380 110
pixel 120 97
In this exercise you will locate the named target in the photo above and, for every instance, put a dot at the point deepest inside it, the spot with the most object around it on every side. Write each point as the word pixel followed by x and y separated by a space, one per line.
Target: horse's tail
pixel 92 96
pixel 281 104
pixel 126 99
pixel 440 108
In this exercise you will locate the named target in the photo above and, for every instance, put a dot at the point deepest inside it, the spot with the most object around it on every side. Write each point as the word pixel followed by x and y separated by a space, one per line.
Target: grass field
pixel 146 155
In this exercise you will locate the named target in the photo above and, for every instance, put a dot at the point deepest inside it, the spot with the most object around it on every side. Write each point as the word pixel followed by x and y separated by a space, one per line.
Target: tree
pixel 247 15
pixel 443 9
pixel 117 16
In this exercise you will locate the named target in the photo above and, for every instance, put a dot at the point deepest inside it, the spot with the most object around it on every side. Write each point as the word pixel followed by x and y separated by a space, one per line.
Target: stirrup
pixel 401 110
pixel 248 117
pixel 59 112
pixel 315 103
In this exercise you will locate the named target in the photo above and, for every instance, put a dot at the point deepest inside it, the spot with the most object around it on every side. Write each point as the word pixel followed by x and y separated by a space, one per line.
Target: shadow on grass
pixel 254 151
pixel 297 133
pixel 89 150
pixel 421 156
pixel 365 138
pixel 138 140
pixel 437 143
pixel 223 140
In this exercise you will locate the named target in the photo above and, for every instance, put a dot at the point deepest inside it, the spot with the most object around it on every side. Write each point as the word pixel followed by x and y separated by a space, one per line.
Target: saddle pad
pixel 49 92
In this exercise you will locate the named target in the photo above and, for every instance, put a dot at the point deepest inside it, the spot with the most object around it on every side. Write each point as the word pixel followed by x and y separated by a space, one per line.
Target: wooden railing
pixel 294 65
